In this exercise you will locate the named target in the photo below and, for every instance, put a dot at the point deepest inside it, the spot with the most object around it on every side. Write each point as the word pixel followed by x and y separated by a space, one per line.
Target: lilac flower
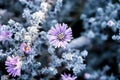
pixel 67 77
pixel 13 66
pixel 4 35
pixel 60 35
pixel 110 23
pixel 87 76
pixel 25 47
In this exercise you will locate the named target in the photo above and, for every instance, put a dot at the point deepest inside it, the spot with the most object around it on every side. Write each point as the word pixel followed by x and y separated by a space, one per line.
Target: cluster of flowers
pixel 30 52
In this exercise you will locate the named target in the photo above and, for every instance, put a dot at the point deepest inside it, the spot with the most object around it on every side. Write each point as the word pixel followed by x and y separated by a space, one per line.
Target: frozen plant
pixel 33 50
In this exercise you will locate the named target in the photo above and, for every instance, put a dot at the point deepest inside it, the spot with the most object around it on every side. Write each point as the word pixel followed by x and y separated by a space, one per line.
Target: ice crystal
pixel 68 56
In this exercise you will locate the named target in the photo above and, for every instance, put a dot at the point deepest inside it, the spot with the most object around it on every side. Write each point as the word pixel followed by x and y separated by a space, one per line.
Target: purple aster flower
pixel 110 23
pixel 67 77
pixel 87 76
pixel 5 35
pixel 25 47
pixel 60 35
pixel 13 66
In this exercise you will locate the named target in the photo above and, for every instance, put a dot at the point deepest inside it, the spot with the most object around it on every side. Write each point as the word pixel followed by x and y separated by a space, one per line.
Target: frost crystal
pixel 38 17
pixel 68 56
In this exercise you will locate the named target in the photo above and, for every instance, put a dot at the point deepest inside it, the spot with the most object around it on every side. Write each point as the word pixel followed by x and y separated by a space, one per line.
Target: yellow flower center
pixel 27 48
pixel 15 65
pixel 61 36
